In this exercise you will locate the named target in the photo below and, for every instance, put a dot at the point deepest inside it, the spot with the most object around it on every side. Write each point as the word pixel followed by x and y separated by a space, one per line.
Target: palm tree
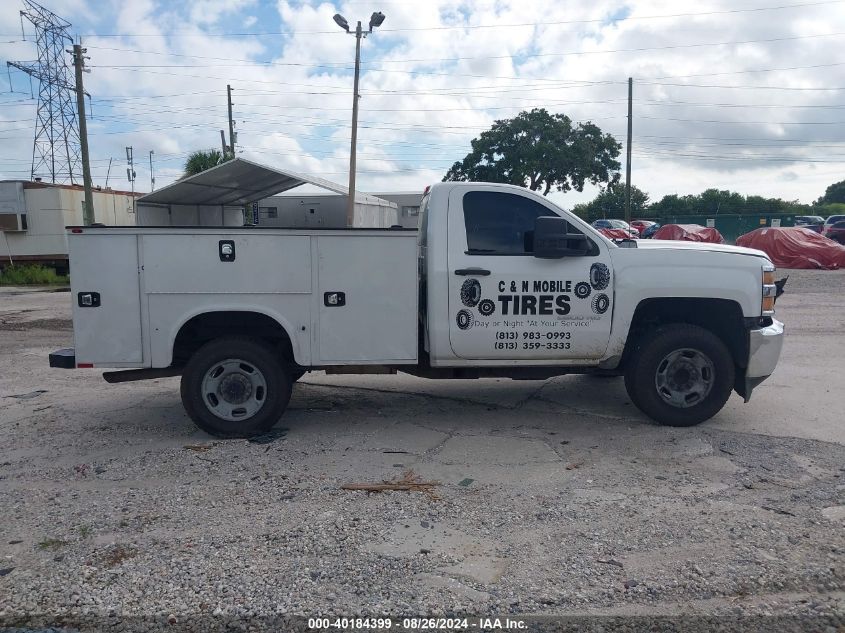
pixel 202 160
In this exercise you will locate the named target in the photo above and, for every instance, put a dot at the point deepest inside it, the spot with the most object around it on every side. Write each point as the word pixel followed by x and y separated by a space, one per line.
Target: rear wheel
pixel 680 375
pixel 234 387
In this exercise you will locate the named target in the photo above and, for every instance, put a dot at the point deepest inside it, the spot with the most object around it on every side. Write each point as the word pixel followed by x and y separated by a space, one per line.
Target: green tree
pixel 610 203
pixel 202 160
pixel 834 193
pixel 539 150
pixel 720 201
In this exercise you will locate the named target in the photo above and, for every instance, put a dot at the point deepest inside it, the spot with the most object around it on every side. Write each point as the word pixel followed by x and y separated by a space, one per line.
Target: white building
pixel 328 209
pixel 33 217
pixel 237 193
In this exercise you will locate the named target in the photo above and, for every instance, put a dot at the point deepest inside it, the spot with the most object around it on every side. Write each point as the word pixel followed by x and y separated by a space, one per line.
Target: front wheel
pixel 680 375
pixel 234 387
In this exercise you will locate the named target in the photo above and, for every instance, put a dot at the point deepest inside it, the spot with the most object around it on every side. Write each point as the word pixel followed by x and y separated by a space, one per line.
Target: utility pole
pixel 350 205
pixel 628 162
pixel 231 123
pixel 375 20
pixel 108 173
pixel 130 173
pixel 152 172
pixel 79 66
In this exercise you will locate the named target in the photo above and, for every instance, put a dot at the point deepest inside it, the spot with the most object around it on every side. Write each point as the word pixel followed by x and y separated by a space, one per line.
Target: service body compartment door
pixel 367 298
pixel 106 299
pixel 190 273
pixel 506 304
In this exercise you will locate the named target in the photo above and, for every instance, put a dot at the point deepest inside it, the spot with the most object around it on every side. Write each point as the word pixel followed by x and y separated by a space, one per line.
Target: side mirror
pixel 552 239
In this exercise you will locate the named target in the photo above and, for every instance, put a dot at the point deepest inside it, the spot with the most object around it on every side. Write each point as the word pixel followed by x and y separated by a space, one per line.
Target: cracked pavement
pixel 554 497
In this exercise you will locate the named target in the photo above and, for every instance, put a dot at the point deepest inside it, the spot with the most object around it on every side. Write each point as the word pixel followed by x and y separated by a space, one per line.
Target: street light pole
pixel 375 20
pixel 350 204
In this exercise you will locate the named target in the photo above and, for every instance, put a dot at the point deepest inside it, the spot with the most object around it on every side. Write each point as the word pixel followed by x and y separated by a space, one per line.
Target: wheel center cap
pixel 235 389
pixel 683 376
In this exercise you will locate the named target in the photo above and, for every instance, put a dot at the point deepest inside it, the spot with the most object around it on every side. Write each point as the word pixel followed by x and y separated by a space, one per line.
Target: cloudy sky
pixel 745 95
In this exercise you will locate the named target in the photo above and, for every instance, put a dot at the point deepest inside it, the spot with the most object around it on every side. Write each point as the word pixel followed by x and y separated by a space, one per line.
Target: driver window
pixel 500 223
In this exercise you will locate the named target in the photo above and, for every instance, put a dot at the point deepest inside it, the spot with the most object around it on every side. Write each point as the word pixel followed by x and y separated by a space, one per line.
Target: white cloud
pixel 207 12
pixel 700 120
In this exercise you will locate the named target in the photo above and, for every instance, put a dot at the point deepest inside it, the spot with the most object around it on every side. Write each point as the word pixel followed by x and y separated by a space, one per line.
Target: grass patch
pixel 85 531
pixel 51 544
pixel 30 274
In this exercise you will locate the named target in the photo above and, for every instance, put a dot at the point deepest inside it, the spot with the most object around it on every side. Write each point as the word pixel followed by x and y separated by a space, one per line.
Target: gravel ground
pixel 118 514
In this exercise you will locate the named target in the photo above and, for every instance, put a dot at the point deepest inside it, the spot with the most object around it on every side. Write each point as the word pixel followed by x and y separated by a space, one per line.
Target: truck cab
pixel 493 299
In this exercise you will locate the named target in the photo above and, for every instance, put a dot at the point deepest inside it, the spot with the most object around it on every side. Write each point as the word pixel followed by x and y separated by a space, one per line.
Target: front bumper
pixel 764 346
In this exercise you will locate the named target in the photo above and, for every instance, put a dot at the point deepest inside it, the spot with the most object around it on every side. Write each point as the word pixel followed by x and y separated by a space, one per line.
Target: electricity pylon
pixel 56 153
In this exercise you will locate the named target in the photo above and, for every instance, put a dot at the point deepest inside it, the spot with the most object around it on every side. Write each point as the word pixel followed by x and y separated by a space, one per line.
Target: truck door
pixel 506 304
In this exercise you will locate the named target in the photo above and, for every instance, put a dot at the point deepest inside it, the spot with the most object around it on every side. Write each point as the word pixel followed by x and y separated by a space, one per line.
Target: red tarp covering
pixel 617 234
pixel 795 247
pixel 689 233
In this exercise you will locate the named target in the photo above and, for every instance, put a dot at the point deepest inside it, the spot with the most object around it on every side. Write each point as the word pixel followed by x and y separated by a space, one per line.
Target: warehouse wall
pixel 189 215
pixel 322 211
pixel 49 209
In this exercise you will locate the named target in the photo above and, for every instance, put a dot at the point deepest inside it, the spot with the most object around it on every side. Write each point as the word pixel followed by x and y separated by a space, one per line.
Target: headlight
pixel 769 290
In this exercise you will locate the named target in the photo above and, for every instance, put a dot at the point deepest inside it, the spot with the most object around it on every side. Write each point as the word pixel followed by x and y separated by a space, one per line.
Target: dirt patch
pixel 114 555
pixel 9 325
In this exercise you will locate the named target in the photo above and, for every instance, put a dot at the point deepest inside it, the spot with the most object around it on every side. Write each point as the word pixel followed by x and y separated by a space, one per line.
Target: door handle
pixel 480 272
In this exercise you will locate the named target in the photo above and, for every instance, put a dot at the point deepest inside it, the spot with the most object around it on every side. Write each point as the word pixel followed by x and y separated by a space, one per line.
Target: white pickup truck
pixel 497 281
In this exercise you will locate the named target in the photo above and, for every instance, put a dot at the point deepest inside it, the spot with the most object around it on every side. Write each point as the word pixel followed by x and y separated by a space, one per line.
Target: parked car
pixel 795 247
pixel 649 231
pixel 836 232
pixel 812 222
pixel 616 224
pixel 689 233
pixel 831 219
pixel 641 225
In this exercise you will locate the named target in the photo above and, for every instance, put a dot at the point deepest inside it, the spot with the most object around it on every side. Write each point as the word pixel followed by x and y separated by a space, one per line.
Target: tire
pixel 599 276
pixel 296 374
pixel 471 293
pixel 249 385
pixel 680 375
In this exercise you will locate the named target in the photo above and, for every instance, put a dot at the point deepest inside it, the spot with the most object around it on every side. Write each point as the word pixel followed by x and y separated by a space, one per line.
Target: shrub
pixel 29 274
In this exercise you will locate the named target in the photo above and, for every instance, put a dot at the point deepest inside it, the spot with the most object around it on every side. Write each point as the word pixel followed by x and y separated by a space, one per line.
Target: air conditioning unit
pixel 13 222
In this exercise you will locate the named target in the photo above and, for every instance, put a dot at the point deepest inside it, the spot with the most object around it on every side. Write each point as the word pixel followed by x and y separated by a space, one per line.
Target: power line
pixel 464 27
pixel 462 75
pixel 742 121
pixel 345 64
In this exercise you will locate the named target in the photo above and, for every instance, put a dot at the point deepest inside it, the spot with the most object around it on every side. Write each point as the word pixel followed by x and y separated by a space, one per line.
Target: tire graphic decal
pixel 601 303
pixel 582 290
pixel 471 293
pixel 464 319
pixel 599 276
pixel 486 307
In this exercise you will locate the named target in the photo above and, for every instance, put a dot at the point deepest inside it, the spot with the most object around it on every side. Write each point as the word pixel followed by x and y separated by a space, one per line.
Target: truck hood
pixel 699 246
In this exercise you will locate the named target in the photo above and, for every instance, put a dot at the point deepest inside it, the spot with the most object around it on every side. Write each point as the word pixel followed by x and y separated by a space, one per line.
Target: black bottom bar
pixel 63 358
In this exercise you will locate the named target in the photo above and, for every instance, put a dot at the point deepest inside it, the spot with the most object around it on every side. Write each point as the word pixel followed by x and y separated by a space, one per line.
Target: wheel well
pixel 720 316
pixel 205 327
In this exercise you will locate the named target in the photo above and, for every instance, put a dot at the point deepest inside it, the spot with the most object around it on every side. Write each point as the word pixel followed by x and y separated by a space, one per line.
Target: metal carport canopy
pixel 239 182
